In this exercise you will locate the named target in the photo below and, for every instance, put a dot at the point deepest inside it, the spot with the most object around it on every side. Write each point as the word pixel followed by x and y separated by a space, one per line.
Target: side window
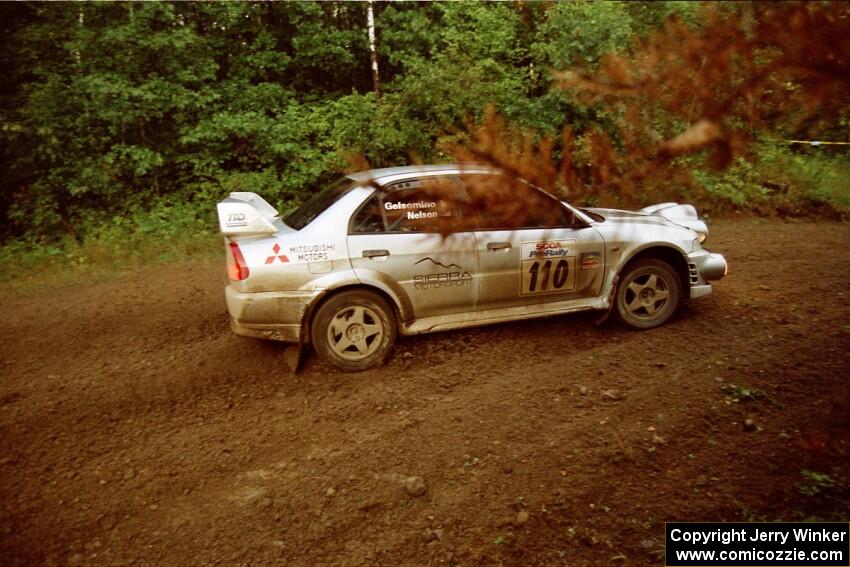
pixel 544 210
pixel 369 218
pixel 514 204
pixel 414 206
pixel 430 205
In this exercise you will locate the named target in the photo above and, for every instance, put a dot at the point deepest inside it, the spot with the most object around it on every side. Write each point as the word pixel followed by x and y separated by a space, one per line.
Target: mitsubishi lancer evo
pixel 369 257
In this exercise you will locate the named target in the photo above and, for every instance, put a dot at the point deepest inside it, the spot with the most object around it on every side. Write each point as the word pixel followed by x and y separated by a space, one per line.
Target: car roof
pixel 390 174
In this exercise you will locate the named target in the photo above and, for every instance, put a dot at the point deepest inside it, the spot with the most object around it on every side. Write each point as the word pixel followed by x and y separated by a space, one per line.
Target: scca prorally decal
pixel 550 248
pixel 548 266
pixel 541 249
pixel 311 252
pixel 454 275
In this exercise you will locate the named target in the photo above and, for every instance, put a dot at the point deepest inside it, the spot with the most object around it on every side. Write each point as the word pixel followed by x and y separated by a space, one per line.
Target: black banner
pixel 763 544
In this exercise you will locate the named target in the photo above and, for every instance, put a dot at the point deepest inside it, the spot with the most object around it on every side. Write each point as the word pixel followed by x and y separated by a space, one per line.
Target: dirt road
pixel 136 429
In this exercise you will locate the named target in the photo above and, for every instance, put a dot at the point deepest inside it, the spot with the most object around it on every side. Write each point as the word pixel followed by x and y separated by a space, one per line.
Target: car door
pixel 394 237
pixel 543 254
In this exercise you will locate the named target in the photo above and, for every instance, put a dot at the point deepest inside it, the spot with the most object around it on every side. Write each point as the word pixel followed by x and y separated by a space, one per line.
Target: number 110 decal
pixel 548 266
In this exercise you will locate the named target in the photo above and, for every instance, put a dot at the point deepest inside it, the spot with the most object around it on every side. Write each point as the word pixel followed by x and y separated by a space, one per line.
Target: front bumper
pixel 705 267
pixel 275 315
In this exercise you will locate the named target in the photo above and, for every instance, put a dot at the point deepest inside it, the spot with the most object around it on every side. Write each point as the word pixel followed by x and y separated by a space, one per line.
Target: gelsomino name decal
pixel 415 214
pixel 762 544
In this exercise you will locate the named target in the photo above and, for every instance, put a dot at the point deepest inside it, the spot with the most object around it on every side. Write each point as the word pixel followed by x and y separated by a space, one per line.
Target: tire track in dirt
pixel 135 428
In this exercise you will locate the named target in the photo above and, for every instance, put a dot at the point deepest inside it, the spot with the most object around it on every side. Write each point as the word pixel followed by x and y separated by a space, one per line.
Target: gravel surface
pixel 136 429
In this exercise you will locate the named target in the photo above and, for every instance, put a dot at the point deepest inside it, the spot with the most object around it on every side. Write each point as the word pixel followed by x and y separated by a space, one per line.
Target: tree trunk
pixel 373 51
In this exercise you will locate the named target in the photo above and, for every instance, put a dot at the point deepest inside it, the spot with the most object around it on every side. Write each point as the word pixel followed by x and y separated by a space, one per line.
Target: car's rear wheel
pixel 354 330
pixel 648 295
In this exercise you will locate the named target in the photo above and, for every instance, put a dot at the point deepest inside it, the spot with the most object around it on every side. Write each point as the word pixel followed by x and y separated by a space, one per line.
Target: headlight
pixel 701 236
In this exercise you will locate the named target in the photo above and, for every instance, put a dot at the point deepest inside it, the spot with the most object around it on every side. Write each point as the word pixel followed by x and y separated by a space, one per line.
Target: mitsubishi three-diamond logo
pixel 283 259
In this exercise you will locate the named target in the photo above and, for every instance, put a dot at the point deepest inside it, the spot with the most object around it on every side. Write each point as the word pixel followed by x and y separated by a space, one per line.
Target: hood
pixel 664 214
pixel 617 215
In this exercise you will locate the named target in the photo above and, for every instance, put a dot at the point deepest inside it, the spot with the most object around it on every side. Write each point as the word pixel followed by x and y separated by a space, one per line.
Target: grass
pixel 106 246
pixel 814 483
pixel 738 394
pixel 776 179
pixel 820 175
pixel 28 267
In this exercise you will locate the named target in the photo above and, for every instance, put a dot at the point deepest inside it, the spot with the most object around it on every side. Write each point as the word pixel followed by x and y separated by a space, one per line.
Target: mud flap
pixel 292 355
pixel 611 298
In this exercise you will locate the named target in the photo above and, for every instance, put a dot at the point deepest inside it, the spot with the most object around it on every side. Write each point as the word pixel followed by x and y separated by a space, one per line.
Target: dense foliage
pixel 126 116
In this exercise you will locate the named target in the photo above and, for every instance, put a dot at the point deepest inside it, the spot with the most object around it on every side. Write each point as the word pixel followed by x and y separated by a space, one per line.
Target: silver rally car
pixel 363 261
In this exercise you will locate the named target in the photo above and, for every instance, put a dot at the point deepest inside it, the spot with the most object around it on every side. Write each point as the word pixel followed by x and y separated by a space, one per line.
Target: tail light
pixel 237 269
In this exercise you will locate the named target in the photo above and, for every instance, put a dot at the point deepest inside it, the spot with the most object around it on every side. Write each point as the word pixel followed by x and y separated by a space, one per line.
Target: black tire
pixel 354 330
pixel 648 295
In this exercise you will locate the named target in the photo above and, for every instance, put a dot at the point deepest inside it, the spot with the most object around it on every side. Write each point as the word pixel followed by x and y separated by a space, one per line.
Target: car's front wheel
pixel 648 295
pixel 354 330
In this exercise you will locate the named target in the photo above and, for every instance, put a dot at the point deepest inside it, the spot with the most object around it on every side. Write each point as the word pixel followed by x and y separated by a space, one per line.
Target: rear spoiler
pixel 683 215
pixel 245 213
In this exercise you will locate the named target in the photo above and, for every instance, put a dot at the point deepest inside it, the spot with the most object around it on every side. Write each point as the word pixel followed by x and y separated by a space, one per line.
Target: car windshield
pixel 313 207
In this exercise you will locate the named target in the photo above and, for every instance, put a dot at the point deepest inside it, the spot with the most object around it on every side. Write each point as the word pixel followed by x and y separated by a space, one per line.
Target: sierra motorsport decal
pixel 456 276
pixel 547 266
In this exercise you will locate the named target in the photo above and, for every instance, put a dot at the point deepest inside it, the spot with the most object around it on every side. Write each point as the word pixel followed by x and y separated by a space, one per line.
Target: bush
pixel 777 178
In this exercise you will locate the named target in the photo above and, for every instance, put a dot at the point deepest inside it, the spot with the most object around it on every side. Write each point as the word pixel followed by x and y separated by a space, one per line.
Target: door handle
pixel 375 253
pixel 498 245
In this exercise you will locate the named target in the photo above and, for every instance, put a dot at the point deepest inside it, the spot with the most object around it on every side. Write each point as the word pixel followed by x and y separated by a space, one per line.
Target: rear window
pixel 318 203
